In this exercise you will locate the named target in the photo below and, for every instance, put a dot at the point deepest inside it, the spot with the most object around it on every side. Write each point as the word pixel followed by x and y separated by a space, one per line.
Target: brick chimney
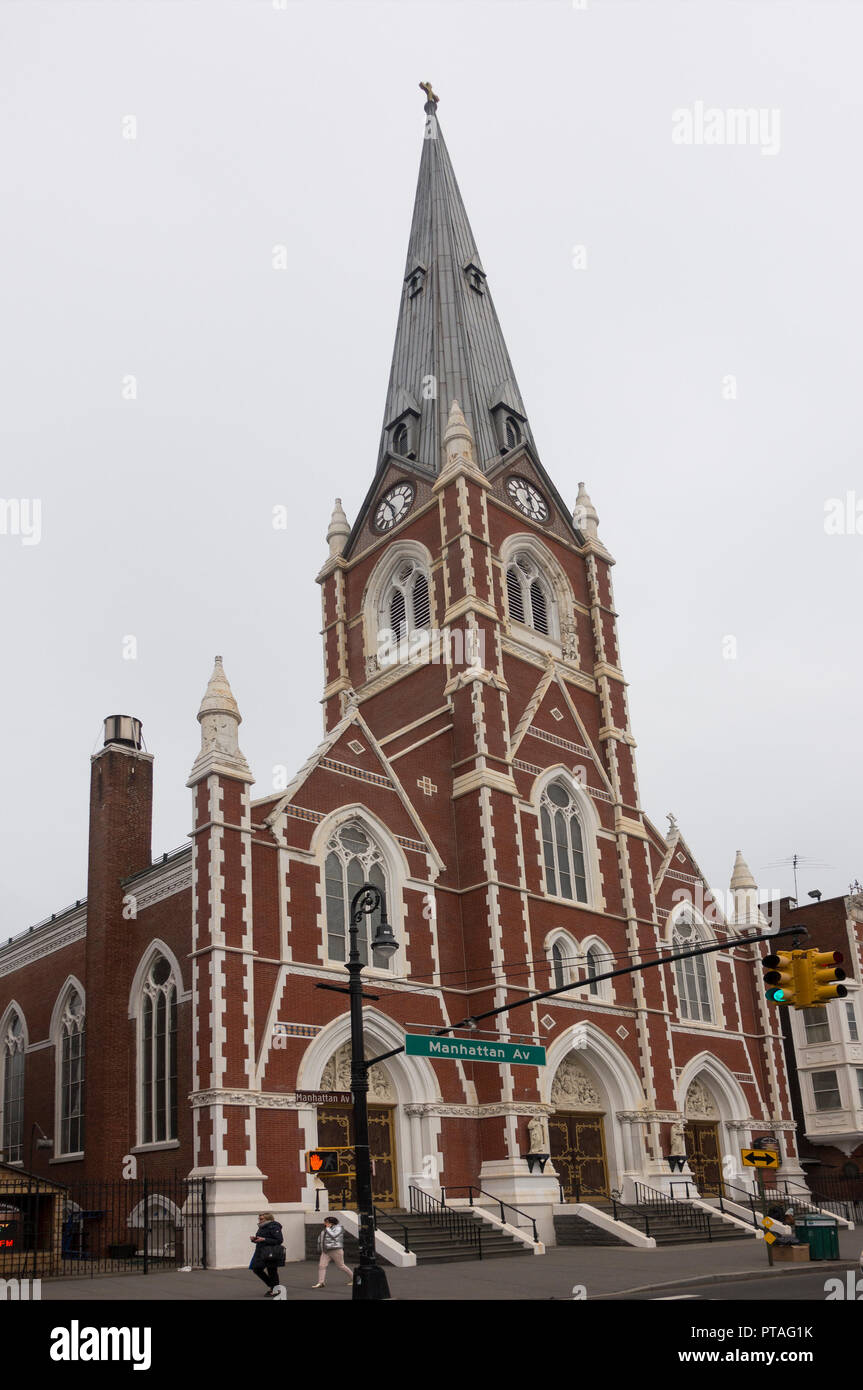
pixel 121 816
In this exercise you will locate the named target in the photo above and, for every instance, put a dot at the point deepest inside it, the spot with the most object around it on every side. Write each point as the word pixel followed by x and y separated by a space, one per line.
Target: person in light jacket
pixel 331 1244
pixel 268 1251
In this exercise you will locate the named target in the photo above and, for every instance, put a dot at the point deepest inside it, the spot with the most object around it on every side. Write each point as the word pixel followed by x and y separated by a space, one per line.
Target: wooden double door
pixel 577 1145
pixel 336 1130
pixel 703 1155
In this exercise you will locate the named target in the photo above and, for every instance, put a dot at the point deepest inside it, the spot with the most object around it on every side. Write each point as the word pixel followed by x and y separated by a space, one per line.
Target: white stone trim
pixel 161 881
pixel 44 942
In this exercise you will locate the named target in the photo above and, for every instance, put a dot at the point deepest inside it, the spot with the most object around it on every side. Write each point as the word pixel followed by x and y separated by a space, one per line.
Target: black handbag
pixel 269 1255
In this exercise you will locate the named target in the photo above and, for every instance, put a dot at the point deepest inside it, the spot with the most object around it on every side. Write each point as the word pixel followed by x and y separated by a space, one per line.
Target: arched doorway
pixel 576 1132
pixel 589 1079
pixel 336 1131
pixel 702 1137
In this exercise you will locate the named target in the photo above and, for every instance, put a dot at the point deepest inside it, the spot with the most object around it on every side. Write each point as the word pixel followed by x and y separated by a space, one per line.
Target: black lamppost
pixel 370 1281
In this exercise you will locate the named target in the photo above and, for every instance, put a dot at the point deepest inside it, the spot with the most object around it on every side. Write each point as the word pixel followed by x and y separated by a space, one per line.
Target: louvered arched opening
pixel 529 595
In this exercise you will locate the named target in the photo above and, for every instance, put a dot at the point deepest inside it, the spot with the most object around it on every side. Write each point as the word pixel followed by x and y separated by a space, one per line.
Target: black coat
pixel 270 1242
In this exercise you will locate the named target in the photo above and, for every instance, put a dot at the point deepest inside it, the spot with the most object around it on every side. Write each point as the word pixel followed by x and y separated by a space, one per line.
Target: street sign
pixel 473 1050
pixel 768 1234
pixel 324 1097
pixel 759 1158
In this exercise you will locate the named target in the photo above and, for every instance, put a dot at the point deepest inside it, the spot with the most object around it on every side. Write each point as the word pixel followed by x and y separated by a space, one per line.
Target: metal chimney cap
pixel 124 729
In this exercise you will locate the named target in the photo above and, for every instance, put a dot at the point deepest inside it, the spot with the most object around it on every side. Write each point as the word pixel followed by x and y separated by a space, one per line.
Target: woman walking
pixel 269 1251
pixel 331 1244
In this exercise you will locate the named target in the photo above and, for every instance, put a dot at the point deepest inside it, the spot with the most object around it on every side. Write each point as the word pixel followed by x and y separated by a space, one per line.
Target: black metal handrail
pixel 721 1193
pixel 802 1203
pixel 464 1228
pixel 632 1215
pixel 387 1216
pixel 834 1187
pixel 660 1202
pixel 470 1190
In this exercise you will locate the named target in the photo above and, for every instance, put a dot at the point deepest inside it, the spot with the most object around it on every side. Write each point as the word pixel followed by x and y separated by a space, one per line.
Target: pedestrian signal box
pixel 322 1160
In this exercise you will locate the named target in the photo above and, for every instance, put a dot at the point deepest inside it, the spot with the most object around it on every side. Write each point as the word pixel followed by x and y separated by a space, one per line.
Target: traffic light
pixel 779 978
pixel 322 1161
pixel 822 974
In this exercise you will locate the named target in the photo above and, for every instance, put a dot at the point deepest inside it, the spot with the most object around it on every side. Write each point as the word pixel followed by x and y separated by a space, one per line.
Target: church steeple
pixel 449 345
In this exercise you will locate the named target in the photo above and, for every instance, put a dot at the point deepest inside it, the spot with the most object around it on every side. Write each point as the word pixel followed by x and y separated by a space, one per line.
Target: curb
pixel 729 1276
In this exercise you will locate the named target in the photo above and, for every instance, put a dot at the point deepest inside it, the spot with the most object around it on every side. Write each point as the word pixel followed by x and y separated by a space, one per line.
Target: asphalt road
pixel 803 1288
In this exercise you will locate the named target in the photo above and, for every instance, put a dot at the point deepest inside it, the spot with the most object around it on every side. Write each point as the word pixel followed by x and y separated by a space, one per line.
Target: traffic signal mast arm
pixel 474 1019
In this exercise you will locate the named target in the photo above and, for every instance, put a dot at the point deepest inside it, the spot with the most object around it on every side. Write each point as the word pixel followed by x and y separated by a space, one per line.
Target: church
pixel 477 764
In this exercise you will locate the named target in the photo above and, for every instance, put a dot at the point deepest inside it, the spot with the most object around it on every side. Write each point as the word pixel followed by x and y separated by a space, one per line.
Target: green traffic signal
pixel 779 978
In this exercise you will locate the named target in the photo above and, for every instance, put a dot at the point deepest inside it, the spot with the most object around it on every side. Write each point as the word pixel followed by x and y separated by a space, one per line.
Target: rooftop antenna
pixel 793 861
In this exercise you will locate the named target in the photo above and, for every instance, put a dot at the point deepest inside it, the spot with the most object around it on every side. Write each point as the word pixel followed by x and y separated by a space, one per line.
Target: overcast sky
pixel 698 363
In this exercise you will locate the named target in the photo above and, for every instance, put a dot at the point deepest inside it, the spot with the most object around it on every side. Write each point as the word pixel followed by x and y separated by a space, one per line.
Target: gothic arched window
pixel 595 966
pixel 528 594
pixel 407 605
pixel 693 986
pixel 158 1053
pixel 352 859
pixel 71 1042
pixel 513 433
pixel 562 844
pixel 12 1058
pixel 562 956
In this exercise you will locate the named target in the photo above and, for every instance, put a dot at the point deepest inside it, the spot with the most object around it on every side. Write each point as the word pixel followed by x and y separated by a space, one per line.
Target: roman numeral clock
pixel 393 506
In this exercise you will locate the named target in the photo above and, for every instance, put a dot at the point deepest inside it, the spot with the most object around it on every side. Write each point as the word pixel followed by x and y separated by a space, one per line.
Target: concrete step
pixel 666 1228
pixel 430 1240
pixel 577 1230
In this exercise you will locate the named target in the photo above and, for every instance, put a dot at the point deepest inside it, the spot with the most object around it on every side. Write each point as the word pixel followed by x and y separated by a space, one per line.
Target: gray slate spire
pixel 448 331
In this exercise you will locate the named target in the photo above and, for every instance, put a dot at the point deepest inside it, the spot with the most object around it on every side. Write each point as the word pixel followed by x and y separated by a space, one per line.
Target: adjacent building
pixel 825 1055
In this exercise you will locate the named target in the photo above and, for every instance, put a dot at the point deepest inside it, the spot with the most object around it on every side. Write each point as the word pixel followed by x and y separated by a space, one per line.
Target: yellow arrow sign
pixel 759 1158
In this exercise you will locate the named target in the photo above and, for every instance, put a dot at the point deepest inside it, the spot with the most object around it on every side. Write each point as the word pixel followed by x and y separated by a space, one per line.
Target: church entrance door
pixel 336 1130
pixel 577 1144
pixel 703 1155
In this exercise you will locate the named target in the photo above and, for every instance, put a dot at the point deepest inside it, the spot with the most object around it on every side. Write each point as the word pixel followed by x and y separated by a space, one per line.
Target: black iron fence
pixel 110 1226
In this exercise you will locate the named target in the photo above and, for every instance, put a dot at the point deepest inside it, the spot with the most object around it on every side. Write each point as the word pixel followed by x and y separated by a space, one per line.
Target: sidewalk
pixel 600 1269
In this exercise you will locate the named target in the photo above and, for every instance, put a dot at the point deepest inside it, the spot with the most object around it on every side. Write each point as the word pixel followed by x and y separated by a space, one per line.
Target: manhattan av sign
pixel 472 1050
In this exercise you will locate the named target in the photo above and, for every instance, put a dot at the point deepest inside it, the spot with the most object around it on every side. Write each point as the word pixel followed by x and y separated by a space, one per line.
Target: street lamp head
pixel 384 942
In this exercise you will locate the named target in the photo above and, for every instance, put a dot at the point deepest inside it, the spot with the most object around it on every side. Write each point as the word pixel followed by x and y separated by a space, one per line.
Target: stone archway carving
pixel 573 1088
pixel 699 1103
pixel 336 1076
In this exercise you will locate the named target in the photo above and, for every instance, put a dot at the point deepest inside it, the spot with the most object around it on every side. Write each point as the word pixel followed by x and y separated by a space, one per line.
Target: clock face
pixel 393 506
pixel 527 498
